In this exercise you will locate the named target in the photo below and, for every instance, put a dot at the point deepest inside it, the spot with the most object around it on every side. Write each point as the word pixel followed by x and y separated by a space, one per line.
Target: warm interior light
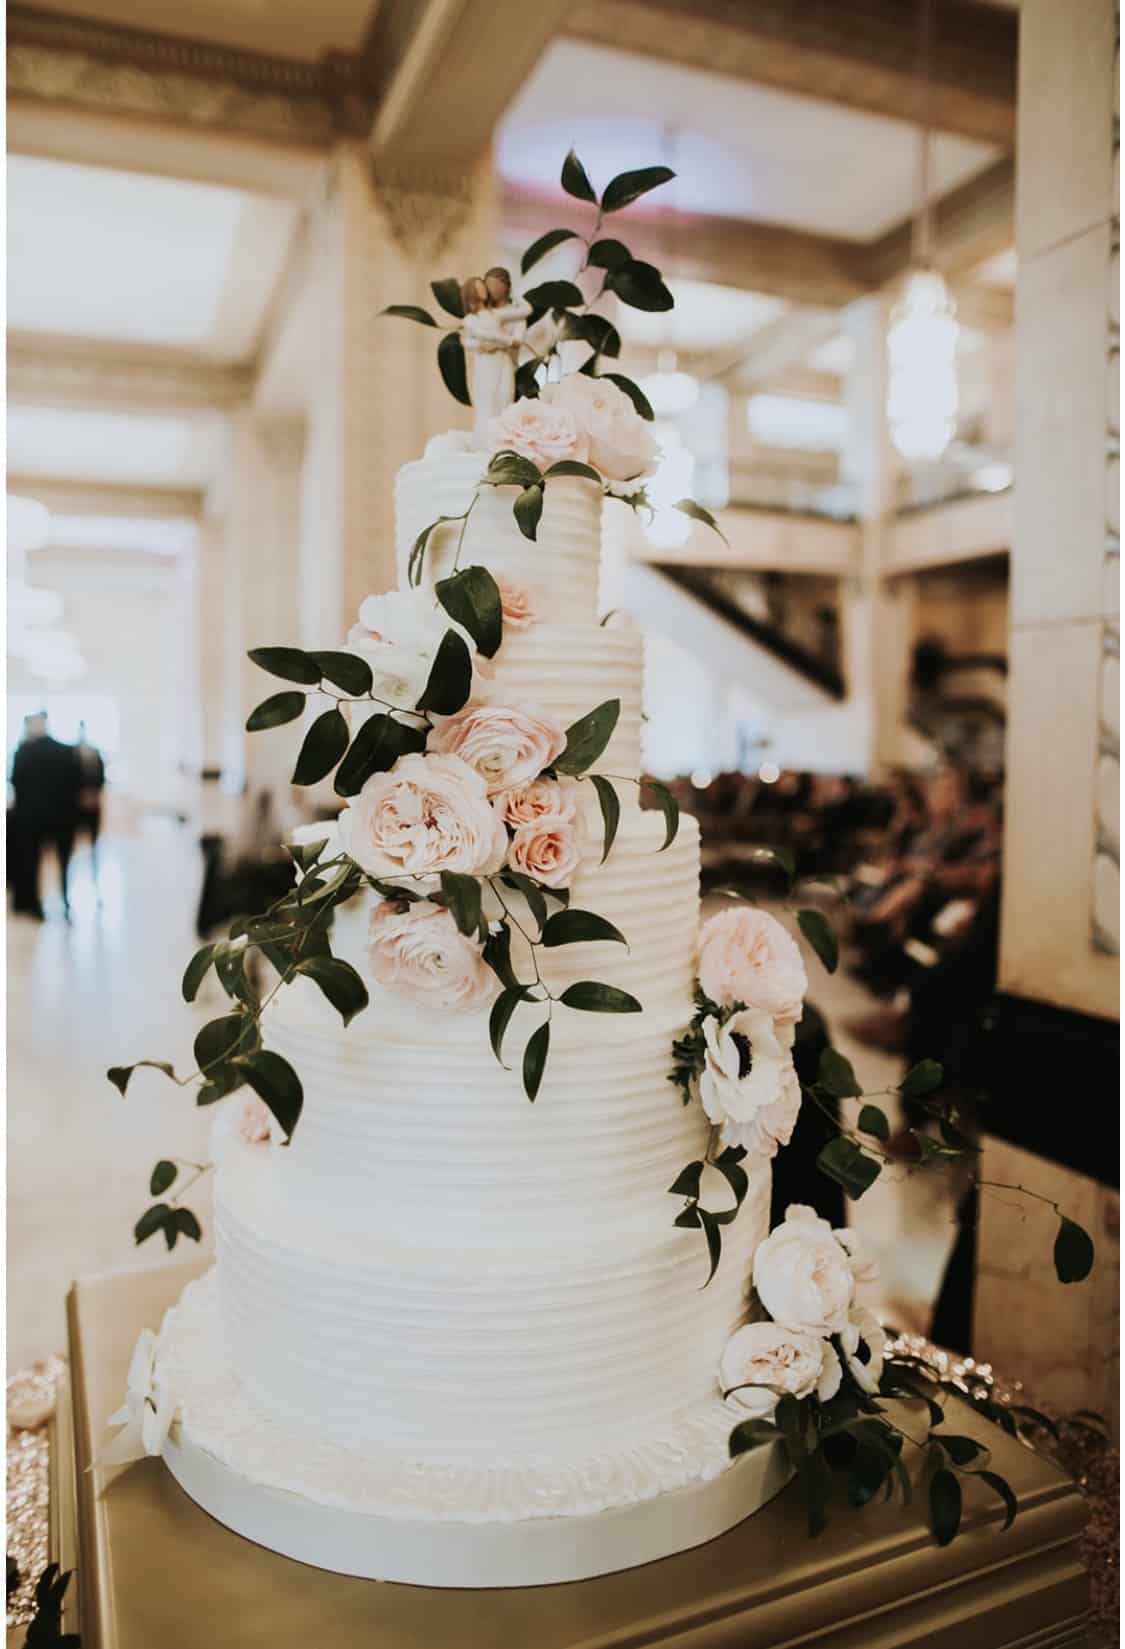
pixel 670 391
pixel 670 527
pixel 922 369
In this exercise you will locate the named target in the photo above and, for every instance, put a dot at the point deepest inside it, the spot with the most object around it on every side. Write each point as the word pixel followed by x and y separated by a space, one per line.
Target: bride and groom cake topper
pixel 493 331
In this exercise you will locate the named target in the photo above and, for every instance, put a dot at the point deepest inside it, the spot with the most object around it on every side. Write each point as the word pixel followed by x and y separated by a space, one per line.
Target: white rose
pixel 398 635
pixel 418 951
pixel 864 1331
pixel 745 955
pixel 620 442
pixel 762 1356
pixel 537 430
pixel 803 1275
pixel 748 1082
pixel 547 849
pixel 508 745
pixel 429 813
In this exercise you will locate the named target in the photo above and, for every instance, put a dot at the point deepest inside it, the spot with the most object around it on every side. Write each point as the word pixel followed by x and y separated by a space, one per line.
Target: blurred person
pixel 45 783
pixel 91 784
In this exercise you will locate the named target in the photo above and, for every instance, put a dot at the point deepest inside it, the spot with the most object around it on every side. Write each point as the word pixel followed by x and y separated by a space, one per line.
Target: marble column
pixel 1059 923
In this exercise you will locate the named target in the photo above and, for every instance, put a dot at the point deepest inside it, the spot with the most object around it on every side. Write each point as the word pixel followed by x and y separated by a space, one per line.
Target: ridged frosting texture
pixel 569 669
pixel 555 1343
pixel 561 566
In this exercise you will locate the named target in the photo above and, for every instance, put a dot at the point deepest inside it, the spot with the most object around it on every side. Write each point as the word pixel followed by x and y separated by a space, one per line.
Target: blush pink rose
pixel 620 442
pixel 547 849
pixel 518 606
pixel 507 745
pixel 533 801
pixel 429 813
pixel 537 430
pixel 745 955
pixel 252 1121
pixel 417 951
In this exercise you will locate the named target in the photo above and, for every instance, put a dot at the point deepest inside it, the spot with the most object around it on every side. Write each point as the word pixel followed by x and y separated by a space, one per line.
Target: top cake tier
pixel 560 566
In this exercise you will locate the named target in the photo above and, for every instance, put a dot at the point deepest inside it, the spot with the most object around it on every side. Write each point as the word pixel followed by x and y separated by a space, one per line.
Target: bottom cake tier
pixel 385 1515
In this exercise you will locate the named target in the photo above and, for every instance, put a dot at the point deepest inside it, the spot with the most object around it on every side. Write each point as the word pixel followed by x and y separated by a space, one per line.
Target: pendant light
pixel 923 334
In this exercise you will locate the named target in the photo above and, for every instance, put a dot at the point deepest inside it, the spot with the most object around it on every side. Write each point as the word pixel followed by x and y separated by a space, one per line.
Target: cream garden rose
pixel 540 431
pixel 547 848
pixel 748 1083
pixel 762 1356
pixel 507 745
pixel 518 606
pixel 620 443
pixel 745 955
pixel 416 950
pixel 398 635
pixel 803 1275
pixel 534 801
pixel 428 814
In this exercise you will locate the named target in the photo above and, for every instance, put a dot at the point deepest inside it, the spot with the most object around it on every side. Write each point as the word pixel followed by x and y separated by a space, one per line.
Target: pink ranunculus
pixel 252 1121
pixel 620 442
pixel 428 814
pixel 416 950
pixel 537 430
pixel 745 955
pixel 518 606
pixel 533 801
pixel 508 745
pixel 547 849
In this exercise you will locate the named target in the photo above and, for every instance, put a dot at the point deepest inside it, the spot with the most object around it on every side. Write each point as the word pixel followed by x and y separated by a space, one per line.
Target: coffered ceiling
pixel 286 28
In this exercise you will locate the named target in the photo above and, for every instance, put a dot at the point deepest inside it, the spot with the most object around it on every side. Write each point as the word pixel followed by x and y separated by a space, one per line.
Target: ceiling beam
pixel 47 371
pixel 971 224
pixel 66 497
pixel 858 53
pixel 760 257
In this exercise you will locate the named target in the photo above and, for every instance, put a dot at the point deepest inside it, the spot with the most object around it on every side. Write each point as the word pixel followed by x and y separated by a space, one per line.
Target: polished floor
pixel 105 990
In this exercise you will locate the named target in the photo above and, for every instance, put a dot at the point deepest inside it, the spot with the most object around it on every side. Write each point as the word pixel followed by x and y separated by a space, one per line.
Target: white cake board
pixel 540 1551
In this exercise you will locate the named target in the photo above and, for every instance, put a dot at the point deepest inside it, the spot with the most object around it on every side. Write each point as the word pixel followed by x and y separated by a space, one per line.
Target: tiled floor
pixel 105 991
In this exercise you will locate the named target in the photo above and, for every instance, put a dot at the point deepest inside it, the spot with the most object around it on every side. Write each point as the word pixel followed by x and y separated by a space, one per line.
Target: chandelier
pixel 923 334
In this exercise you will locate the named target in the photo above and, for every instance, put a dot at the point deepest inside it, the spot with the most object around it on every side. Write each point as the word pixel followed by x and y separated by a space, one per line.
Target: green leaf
pixel 1035 1418
pixel 554 295
pixel 376 747
pixel 751 1434
pixel 182 1221
pixel 608 254
pixel 610 804
pixel 1000 1485
pixel 921 1079
pixel 729 1164
pixel 462 897
pixel 220 1039
pixel 290 663
pixel 451 364
pixel 472 599
pixel 275 711
pixel 498 956
pixel 323 745
pixel 687 1181
pixel 276 1084
pixel 339 983
pixel 568 466
pixel 535 1059
pixel 575 181
pixel 448 294
pixel 961 1450
pixel 595 330
pixel 418 548
pixel 162 1176
pixel 345 670
pixel 451 677
pixel 1074 1252
pixel 945 1506
pixel 639 285
pixel 527 510
pixel 592 997
pixel 821 935
pixel 119 1074
pixel 587 738
pixel 532 892
pixel 627 187
pixel 230 966
pixel 637 395
pixel 836 1077
pixel 843 1161
pixel 546 243
pixel 688 506
pixel 304 855
pixel 499 1019
pixel 509 469
pixel 578 927
pixel 873 1121
pixel 195 973
pixel 409 312
pixel 670 808
pixel 712 1230
pixel 779 856
pixel 151 1221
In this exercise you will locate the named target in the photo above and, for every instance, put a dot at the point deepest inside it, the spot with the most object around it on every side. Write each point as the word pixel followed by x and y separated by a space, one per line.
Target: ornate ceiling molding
pixel 67 497
pixel 426 207
pixel 59 372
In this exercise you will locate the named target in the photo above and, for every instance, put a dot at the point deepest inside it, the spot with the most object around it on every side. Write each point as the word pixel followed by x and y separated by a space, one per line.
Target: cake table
pixel 156 1572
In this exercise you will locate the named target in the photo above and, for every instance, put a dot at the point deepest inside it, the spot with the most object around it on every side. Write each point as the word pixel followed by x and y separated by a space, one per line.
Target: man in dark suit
pixel 46 777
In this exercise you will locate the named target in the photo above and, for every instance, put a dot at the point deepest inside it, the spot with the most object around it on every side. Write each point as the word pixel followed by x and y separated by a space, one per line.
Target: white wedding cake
pixel 443 1305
